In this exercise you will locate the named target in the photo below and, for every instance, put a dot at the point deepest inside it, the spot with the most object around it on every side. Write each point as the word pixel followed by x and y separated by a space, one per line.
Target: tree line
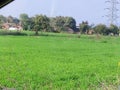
pixel 58 24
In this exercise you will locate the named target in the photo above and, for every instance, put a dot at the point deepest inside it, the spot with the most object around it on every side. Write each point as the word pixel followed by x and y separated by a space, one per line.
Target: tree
pixel 16 21
pixel 41 23
pixel 104 30
pixel 60 23
pixel 84 27
pixel 36 28
pixel 70 22
pixel 101 29
pixel 113 29
pixel 3 19
pixel 24 19
pixel 10 19
pixel 31 23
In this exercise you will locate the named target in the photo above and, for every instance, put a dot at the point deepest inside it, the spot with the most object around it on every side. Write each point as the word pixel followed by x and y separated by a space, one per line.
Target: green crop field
pixel 59 62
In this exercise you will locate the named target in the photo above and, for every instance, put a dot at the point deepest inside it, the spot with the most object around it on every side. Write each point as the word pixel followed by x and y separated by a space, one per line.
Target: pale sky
pixel 82 10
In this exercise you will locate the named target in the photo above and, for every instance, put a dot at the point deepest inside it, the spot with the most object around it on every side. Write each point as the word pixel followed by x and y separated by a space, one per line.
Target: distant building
pixel 90 32
pixel 11 26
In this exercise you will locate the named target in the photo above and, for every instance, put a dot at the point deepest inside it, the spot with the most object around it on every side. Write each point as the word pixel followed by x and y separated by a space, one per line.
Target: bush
pixel 100 29
pixel 104 30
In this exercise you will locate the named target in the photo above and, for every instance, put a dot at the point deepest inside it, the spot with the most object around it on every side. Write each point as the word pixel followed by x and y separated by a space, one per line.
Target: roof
pixel 4 2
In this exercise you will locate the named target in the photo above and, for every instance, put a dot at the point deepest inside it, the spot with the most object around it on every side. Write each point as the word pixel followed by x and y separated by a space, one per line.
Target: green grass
pixel 57 62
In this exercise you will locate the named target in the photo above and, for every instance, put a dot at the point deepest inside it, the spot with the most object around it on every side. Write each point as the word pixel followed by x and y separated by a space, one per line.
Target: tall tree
pixel 24 19
pixel 31 23
pixel 10 19
pixel 60 23
pixel 41 23
pixel 70 22
pixel 16 21
pixel 84 27
pixel 113 29
pixel 3 19
pixel 101 29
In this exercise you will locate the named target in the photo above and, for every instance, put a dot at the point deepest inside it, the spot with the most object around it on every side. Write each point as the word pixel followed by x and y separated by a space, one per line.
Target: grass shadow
pixel 15 33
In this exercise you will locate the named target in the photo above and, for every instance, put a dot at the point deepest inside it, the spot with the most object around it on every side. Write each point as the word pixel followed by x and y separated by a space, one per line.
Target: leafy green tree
pixel 10 19
pixel 70 22
pixel 24 19
pixel 3 19
pixel 60 23
pixel 101 29
pixel 31 23
pixel 16 20
pixel 113 29
pixel 36 28
pixel 104 30
pixel 84 27
pixel 41 23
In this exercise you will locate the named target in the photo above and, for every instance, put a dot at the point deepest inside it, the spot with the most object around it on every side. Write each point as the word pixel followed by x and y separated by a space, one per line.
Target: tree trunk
pixel 36 32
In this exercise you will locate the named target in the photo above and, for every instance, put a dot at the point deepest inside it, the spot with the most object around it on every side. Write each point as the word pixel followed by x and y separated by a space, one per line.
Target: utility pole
pixel 112 11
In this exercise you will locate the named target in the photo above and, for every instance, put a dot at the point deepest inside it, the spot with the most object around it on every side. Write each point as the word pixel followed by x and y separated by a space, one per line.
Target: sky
pixel 92 11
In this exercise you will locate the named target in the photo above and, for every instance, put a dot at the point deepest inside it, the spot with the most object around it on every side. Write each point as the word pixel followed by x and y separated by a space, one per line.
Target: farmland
pixel 59 62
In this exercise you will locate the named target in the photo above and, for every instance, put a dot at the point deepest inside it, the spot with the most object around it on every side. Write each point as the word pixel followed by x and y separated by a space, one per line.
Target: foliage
pixel 103 29
pixel 57 24
pixel 84 27
pixel 16 21
pixel 3 19
pixel 100 29
pixel 26 22
pixel 10 19
pixel 60 23
pixel 41 23
pixel 36 28
pixel 113 29
pixel 24 17
pixel 70 22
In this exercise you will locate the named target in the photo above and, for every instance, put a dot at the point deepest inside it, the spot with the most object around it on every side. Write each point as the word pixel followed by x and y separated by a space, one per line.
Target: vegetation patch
pixel 15 33
pixel 40 63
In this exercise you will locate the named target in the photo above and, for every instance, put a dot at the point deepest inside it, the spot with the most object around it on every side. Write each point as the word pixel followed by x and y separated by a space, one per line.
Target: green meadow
pixel 59 62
